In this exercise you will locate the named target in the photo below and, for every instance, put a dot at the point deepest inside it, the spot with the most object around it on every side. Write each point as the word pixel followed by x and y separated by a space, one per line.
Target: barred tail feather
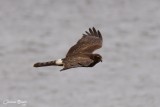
pixel 49 63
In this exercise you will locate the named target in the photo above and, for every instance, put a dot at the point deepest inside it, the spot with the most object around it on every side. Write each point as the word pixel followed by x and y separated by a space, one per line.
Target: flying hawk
pixel 81 54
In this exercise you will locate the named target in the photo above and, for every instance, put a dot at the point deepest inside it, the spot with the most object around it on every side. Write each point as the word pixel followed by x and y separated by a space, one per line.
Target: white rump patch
pixel 59 61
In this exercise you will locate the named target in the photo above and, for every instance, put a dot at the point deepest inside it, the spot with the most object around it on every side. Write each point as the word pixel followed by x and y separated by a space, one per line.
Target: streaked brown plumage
pixel 81 54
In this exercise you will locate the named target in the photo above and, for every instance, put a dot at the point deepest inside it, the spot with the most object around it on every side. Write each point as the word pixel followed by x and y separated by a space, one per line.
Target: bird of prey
pixel 81 54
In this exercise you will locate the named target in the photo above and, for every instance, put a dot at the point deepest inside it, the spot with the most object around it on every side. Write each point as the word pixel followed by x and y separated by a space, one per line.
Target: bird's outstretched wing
pixel 89 42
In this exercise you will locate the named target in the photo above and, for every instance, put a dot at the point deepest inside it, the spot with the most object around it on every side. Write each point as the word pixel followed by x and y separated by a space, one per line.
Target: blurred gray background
pixel 42 30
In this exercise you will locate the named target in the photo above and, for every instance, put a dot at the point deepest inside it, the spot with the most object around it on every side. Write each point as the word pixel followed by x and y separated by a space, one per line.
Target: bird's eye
pixel 98 56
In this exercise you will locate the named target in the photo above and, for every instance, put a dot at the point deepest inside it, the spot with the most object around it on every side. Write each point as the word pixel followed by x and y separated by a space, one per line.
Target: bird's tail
pixel 49 63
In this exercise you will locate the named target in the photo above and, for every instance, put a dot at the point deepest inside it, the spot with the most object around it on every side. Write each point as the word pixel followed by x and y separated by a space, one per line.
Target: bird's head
pixel 98 57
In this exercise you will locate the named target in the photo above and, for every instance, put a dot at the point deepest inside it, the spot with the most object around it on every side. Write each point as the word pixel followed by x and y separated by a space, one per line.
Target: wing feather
pixel 89 42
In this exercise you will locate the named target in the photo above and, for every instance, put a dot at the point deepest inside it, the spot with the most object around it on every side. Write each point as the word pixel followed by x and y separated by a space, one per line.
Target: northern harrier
pixel 81 54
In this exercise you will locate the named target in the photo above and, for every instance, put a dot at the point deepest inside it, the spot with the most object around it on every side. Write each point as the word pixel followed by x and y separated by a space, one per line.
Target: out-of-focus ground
pixel 42 30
